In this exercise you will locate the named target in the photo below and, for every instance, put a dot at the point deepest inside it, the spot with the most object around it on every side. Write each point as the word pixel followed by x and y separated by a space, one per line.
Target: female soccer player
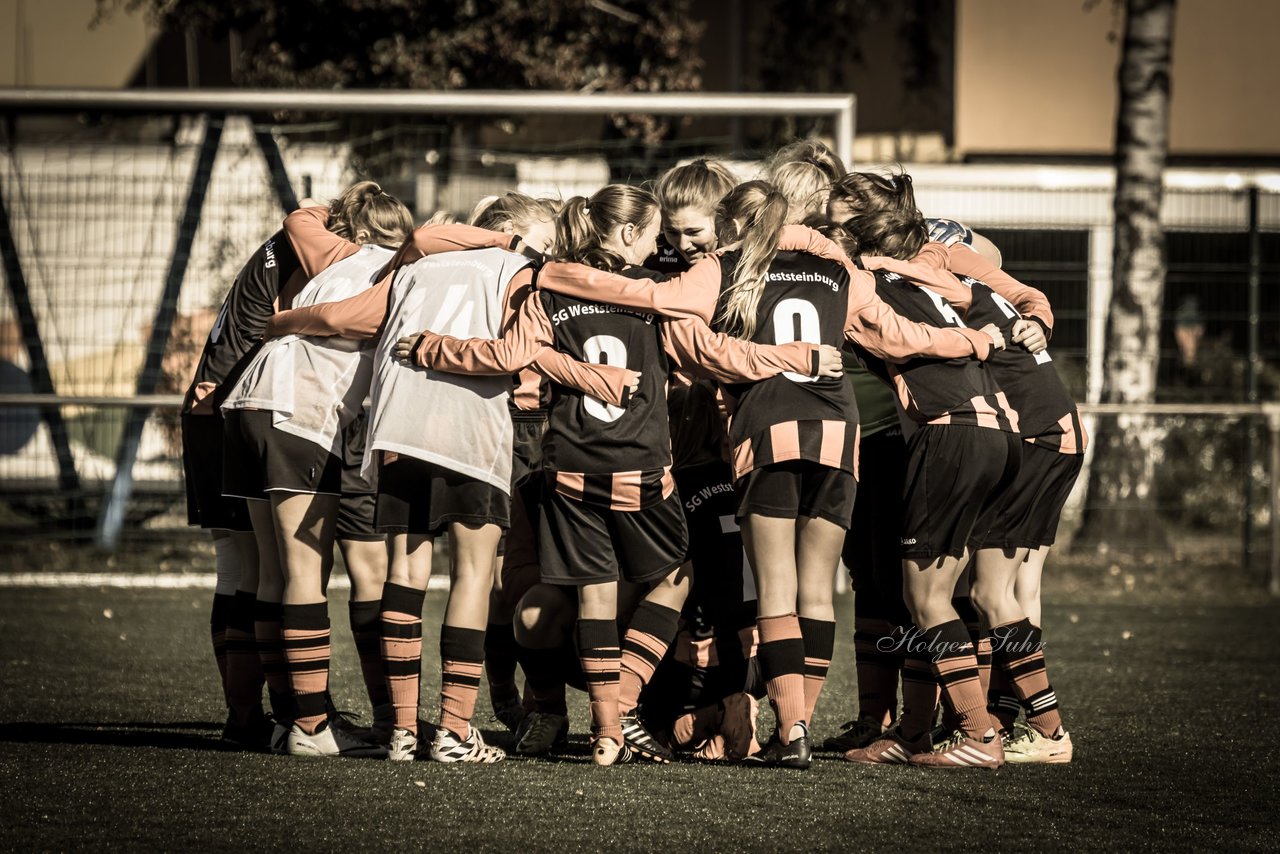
pixel 687 196
pixel 756 209
pixel 962 457
pixel 286 416
pixel 237 330
pixel 1027 516
pixel 272 275
pixel 611 509
pixel 456 473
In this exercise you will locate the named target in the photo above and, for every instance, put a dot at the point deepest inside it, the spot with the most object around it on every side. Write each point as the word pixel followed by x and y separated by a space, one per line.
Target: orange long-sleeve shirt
pixel 869 321
pixel 693 346
pixel 935 263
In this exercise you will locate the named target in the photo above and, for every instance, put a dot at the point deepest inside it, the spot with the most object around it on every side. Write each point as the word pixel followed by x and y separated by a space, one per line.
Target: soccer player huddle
pixel 652 423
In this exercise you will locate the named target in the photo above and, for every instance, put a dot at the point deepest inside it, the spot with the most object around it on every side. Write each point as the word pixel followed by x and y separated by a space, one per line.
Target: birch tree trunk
pixel 1121 509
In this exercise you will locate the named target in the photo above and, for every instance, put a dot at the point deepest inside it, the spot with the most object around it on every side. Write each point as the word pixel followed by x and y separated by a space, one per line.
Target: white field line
pixel 152 581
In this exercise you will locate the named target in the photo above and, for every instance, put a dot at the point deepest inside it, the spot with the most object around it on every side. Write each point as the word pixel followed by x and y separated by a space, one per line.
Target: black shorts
pixel 202 467
pixel 520 539
pixel 355 518
pixel 418 497
pixel 526 447
pixel 582 543
pixel 354 481
pixel 796 489
pixel 954 474
pixel 258 458
pixel 872 551
pixel 1027 517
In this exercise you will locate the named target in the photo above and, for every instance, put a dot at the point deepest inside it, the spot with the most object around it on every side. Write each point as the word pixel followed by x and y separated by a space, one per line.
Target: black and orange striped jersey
pixel 243 316
pixel 938 391
pixel 789 416
pixel 610 455
pixel 1047 416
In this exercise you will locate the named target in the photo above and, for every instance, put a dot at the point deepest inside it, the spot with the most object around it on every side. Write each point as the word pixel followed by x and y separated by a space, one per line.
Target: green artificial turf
pixel 110 712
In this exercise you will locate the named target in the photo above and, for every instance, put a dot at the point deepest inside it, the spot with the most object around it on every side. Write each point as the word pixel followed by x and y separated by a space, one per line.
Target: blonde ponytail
pixel 762 211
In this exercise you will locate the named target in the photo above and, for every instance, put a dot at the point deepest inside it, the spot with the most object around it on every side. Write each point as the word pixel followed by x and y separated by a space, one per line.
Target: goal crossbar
pixel 467 102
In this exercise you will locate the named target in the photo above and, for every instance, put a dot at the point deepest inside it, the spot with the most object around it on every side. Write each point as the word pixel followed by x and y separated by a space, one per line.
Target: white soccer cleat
pixel 961 751
pixel 447 747
pixel 1026 746
pixel 606 751
pixel 403 746
pixel 331 740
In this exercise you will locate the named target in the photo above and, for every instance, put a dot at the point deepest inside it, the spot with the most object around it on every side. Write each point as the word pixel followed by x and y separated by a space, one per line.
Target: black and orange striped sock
pixel 781 657
pixel 919 685
pixel 400 624
pixel 244 668
pixel 981 640
pixel 1002 704
pixel 954 662
pixel 461 663
pixel 266 632
pixel 500 661
pixel 366 625
pixel 598 651
pixel 877 659
pixel 305 632
pixel 1019 650
pixel 643 647
pixel 218 634
pixel 819 638
pixel 544 678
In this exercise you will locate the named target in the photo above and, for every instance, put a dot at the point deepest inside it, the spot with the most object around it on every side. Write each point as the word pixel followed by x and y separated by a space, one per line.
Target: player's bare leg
pixel 817 562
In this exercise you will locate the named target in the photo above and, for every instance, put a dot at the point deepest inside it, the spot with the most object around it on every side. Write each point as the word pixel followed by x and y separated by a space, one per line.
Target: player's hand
pixel 949 232
pixel 403 350
pixel 997 338
pixel 633 382
pixel 1030 335
pixel 309 202
pixel 830 364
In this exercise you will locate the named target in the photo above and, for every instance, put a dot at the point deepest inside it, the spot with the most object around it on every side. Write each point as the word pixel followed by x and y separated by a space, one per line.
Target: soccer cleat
pixel 447 747
pixel 641 743
pixel 854 734
pixel 891 748
pixel 331 740
pixel 797 754
pixel 606 751
pixel 1025 746
pixel 403 745
pixel 960 751
pixel 542 732
pixel 510 712
pixel 254 734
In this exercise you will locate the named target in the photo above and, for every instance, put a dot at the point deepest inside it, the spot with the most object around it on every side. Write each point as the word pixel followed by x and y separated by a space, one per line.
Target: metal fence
pixel 123 227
